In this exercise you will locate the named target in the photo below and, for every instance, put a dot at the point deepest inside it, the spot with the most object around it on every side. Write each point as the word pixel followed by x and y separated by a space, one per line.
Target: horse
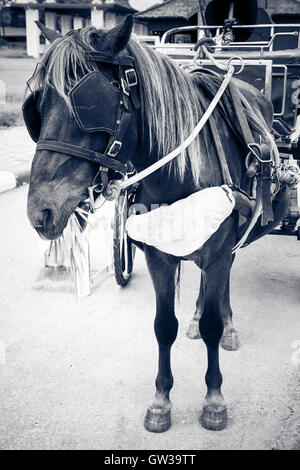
pixel 161 103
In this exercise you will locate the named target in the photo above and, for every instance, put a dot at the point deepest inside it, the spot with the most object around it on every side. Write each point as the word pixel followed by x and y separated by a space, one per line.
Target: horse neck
pixel 163 186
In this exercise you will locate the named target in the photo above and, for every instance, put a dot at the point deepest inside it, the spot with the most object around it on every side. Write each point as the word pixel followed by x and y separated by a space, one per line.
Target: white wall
pixel 97 18
pixel 143 4
pixel 32 32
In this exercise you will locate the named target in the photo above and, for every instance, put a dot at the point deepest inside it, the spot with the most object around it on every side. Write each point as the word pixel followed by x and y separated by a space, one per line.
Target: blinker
pixel 96 103
pixel 31 116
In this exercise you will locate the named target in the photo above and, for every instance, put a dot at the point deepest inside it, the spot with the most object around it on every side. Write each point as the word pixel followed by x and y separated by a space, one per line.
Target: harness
pixel 94 91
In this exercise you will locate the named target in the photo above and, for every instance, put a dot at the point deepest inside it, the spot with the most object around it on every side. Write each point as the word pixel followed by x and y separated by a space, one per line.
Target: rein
pixel 163 161
pixel 114 188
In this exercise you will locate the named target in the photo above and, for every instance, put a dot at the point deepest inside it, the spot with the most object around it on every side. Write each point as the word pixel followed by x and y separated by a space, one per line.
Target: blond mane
pixel 170 97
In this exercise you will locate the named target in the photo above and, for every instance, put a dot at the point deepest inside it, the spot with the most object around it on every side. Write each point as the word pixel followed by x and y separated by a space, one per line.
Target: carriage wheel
pixel 123 248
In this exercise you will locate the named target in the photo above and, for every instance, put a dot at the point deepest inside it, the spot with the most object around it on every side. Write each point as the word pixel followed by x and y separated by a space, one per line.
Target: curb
pixel 9 180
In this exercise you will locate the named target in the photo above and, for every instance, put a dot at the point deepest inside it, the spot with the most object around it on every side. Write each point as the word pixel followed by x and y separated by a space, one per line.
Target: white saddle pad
pixel 184 226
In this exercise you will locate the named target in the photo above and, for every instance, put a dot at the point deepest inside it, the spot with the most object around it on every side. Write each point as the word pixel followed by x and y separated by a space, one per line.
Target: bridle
pixel 119 117
pixel 128 85
pixel 128 90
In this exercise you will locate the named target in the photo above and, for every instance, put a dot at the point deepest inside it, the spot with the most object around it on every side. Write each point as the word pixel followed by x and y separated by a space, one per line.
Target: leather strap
pixel 96 56
pixel 262 153
pixel 243 122
pixel 220 152
pixel 75 151
pixel 103 57
pixel 117 139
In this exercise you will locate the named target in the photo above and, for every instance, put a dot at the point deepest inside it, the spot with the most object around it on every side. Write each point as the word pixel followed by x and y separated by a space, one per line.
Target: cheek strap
pixel 80 152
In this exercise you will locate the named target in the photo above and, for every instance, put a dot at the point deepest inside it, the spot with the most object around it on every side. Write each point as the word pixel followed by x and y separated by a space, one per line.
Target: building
pixel 171 14
pixel 20 27
pixel 168 14
pixel 152 17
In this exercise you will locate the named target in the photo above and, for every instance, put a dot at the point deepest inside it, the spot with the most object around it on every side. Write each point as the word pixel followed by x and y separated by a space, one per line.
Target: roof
pixel 115 5
pixel 288 7
pixel 187 8
pixel 119 3
pixel 171 9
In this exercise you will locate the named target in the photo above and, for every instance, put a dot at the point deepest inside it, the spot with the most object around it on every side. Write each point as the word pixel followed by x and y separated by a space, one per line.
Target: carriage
pixel 270 59
pixel 270 54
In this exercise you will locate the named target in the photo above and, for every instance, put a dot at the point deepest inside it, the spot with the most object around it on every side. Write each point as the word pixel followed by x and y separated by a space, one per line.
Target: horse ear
pixel 49 34
pixel 117 38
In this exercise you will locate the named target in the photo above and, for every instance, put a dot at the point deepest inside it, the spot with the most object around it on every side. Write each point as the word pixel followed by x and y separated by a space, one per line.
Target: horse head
pixel 82 116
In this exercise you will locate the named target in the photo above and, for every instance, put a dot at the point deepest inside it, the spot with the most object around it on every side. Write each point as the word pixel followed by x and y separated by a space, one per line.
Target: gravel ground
pixel 78 374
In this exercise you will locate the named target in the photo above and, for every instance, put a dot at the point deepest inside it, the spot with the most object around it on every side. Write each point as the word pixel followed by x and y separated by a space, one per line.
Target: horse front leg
pixel 214 414
pixel 158 417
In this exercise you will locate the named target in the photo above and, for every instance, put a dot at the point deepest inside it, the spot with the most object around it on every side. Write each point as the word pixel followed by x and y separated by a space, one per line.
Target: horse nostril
pixel 41 218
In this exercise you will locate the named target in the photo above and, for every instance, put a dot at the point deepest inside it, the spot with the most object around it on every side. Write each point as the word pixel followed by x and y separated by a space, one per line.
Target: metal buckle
pixel 256 151
pixel 133 76
pixel 125 87
pixel 114 149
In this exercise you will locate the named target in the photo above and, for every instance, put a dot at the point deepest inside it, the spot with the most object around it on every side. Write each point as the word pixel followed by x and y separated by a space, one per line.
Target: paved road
pixel 79 374
pixel 16 153
pixel 16 149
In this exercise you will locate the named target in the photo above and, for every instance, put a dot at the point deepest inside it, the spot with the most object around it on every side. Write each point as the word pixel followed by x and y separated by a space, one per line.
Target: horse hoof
pixel 230 340
pixel 193 331
pixel 157 420
pixel 214 419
